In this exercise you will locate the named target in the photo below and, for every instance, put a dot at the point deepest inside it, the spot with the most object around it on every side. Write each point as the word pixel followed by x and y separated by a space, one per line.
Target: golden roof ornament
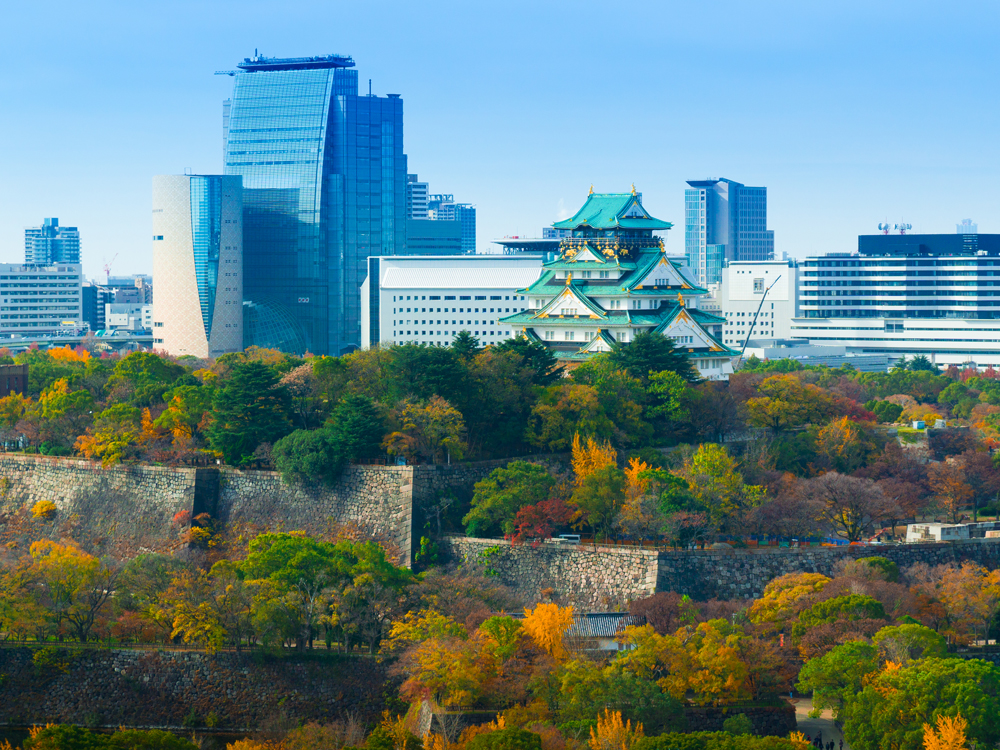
pixel 591 189
pixel 680 299
pixel 569 278
pixel 633 188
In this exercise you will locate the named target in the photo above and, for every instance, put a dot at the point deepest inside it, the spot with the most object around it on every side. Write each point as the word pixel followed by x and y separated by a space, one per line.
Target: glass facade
pixel 206 233
pixel 324 178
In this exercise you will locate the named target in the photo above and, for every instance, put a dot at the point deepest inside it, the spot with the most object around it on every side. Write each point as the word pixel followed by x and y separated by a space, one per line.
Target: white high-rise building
pixel 38 301
pixel 198 264
pixel 743 288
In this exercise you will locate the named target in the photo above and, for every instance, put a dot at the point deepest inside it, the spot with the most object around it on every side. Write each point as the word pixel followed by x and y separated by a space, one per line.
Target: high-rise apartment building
pixel 324 187
pixel 416 197
pixel 51 243
pixel 197 264
pixel 968 226
pixel 724 220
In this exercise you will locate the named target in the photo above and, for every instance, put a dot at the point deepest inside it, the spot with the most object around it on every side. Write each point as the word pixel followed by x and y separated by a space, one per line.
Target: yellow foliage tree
pixel 635 484
pixel 43 510
pixel 949 735
pixel 447 670
pixel 547 625
pixel 782 594
pixel 590 456
pixel 65 354
pixel 612 733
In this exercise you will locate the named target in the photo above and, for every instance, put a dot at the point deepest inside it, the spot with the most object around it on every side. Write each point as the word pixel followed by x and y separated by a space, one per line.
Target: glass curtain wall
pixel 206 232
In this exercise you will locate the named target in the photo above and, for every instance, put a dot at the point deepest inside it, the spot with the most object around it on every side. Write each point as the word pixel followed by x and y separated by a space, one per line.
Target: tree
pixel 666 391
pixel 465 345
pixel 498 400
pixel 536 356
pixel 784 595
pixel 949 734
pixel 952 493
pixel 846 445
pixel 302 571
pixel 141 379
pixel 547 625
pixel 650 353
pixel 847 607
pixel 884 411
pixel 250 409
pixel 598 499
pixel 971 596
pixel 563 411
pixel 784 401
pixel 358 424
pixel 908 642
pixel 77 586
pixel 838 675
pixel 611 733
pixel 115 436
pixel 982 477
pixel 185 412
pixel 431 430
pixel 893 706
pixel 718 487
pixel 588 456
pixel 622 397
pixel 851 505
pixel 310 456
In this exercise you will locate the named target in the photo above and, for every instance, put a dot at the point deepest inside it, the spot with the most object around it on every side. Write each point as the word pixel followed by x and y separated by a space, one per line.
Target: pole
pixel 754 323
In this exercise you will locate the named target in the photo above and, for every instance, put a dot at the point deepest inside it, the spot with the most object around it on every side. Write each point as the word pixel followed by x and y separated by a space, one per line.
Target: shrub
pixel 506 739
pixel 738 725
pixel 43 510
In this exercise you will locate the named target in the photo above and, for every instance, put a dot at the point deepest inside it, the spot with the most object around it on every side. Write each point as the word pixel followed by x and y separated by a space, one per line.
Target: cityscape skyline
pixel 811 112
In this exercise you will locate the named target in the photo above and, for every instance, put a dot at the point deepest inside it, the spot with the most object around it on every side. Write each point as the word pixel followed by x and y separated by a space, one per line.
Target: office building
pixel 94 300
pixel 416 197
pixel 40 301
pixel 612 281
pixel 443 207
pixel 431 237
pixel 51 243
pixel 137 288
pixel 967 227
pixel 324 187
pixel 127 316
pixel 906 295
pixel 430 299
pixel 197 264
pixel 742 291
pixel 724 221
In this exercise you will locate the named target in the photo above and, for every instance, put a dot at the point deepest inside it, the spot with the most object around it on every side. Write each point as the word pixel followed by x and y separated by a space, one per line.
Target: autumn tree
pixel 784 401
pixel 77 585
pixel 547 625
pixel 433 430
pixel 784 595
pixel 598 500
pixel 717 485
pixel 115 436
pixel 851 505
pixel 563 411
pixel 952 492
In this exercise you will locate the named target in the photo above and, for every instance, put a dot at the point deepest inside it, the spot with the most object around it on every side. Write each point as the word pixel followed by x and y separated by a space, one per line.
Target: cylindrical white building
pixel 198 264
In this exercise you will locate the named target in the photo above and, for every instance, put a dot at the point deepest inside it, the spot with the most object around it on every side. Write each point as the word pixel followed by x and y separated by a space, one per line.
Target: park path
pixel 812 727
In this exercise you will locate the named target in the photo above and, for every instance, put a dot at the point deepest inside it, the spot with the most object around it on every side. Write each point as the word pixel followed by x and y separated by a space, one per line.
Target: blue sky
pixel 850 113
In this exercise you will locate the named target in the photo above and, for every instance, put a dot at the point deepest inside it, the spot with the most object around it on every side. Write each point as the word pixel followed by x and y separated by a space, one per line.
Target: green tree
pixel 359 426
pixel 497 499
pixel 250 409
pixel 186 408
pixel 536 356
pixel 141 379
pixel 465 345
pixel 598 498
pixel 302 571
pixel 907 642
pixel 422 372
pixel 622 396
pixel 650 353
pixel 310 456
pixel 847 607
pixel 838 675
pixel 891 710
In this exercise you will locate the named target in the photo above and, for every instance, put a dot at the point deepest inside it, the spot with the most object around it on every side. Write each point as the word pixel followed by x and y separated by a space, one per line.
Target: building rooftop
pixel 261 63
pixel 612 211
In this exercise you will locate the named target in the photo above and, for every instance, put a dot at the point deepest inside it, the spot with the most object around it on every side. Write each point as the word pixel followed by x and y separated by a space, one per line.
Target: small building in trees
pixel 613 280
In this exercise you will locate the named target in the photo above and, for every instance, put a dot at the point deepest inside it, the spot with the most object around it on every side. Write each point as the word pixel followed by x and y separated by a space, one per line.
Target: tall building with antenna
pixel 324 187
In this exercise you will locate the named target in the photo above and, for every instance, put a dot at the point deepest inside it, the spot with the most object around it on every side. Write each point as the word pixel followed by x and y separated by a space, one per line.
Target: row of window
pixel 461 309
pixel 452 296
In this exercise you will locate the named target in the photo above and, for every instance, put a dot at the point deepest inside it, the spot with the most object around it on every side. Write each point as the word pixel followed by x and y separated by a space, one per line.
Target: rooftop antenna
pixel 901 228
pixel 884 227
pixel 369 87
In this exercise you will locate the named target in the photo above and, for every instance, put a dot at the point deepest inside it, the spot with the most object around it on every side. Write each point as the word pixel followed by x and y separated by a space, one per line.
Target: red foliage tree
pixel 540 520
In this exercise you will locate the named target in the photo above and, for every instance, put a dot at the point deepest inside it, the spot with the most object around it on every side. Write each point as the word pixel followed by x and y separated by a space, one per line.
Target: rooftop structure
pixel 260 63
pixel 613 280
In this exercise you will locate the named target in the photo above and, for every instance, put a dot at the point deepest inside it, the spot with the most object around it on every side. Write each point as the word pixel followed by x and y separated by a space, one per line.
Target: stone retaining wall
pixel 124 510
pixel 161 688
pixel 606 577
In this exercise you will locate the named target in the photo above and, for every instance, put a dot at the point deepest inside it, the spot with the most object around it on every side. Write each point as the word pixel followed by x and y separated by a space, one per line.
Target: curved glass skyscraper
pixel 324 179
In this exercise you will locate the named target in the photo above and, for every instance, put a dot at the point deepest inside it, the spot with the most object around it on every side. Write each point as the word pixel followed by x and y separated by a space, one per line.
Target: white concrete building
pixel 198 264
pixel 40 300
pixel 428 299
pixel 742 289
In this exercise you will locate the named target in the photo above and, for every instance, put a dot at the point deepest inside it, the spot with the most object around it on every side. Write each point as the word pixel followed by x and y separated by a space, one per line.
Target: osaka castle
pixel 612 280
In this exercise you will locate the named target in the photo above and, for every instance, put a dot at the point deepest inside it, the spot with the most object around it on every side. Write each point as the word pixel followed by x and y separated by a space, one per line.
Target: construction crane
pixel 107 270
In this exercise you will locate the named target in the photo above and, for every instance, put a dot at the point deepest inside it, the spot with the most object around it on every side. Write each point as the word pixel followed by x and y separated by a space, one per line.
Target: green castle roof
pixel 607 211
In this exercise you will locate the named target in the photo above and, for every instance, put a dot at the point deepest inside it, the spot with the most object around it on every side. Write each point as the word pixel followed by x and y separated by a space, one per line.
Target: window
pixel 438 296
pixel 495 296
pixel 157 236
pixel 604 274
pixel 549 335
pixel 479 297
pixel 460 297
pixel 451 297
pixel 569 335
pixel 758 286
